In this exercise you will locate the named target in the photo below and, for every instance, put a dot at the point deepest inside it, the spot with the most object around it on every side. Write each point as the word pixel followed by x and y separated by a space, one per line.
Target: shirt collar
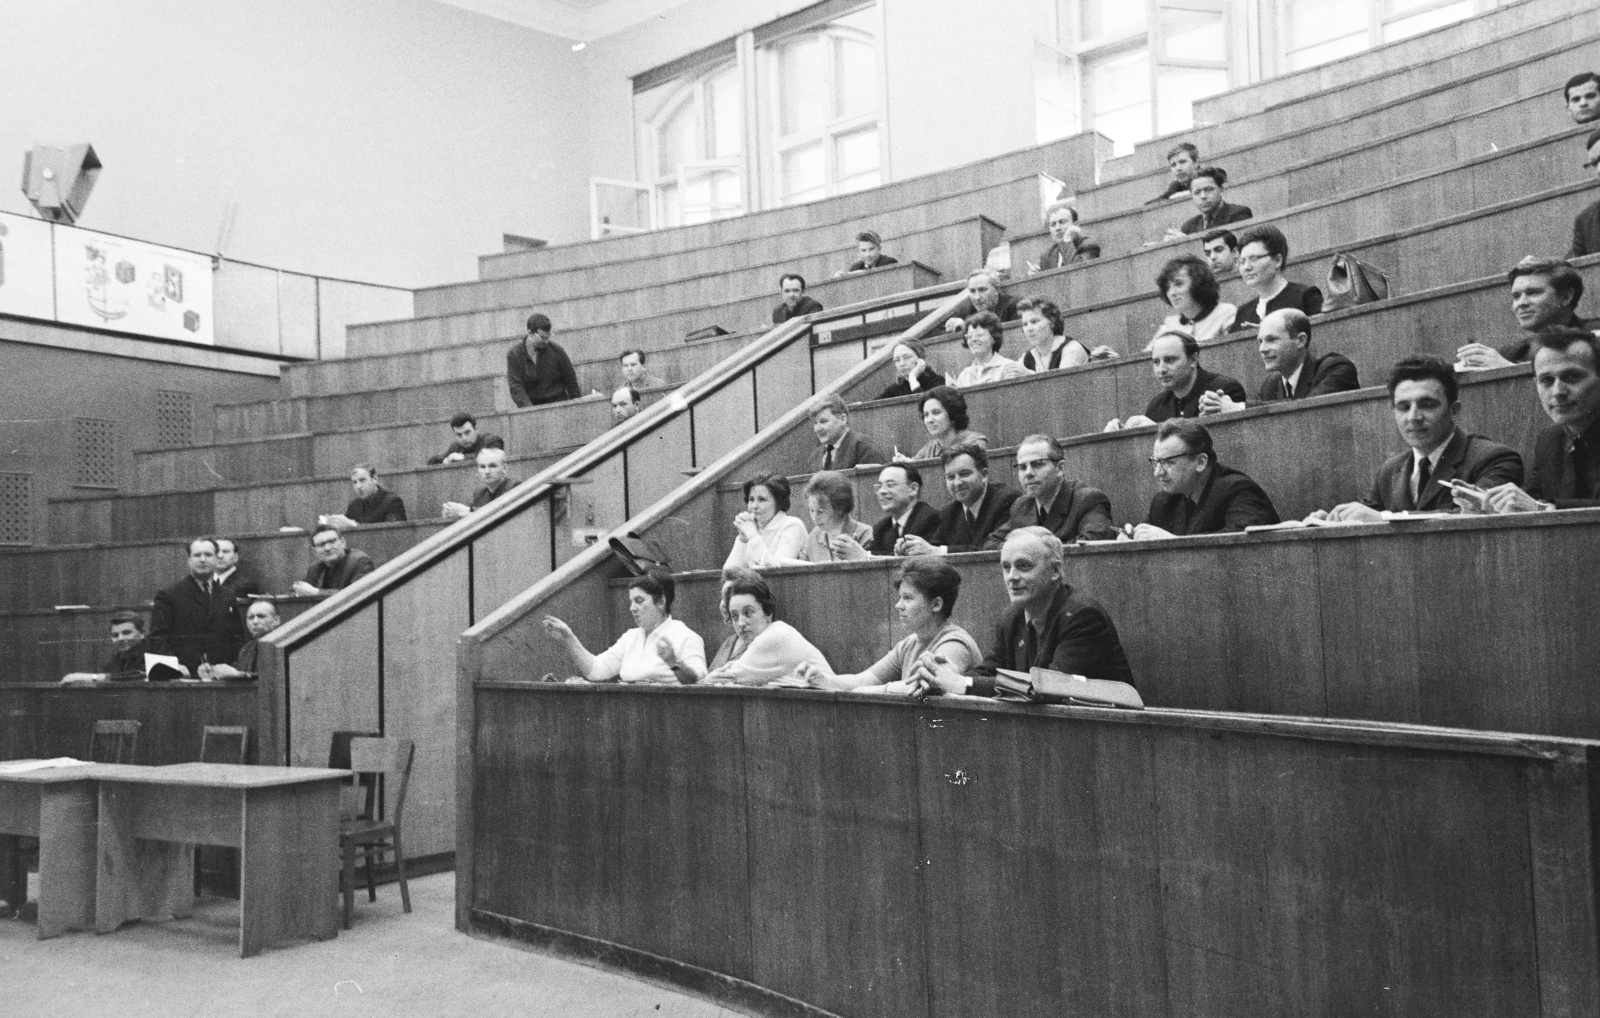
pixel 1294 379
pixel 1433 455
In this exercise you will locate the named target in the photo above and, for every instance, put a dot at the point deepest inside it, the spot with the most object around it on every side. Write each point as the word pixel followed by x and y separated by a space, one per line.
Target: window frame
pixel 826 134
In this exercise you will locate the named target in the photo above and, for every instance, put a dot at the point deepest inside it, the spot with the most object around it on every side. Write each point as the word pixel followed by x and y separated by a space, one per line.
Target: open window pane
pixel 1055 95
pixel 802 86
pixel 1176 91
pixel 725 113
pixel 857 81
pixel 1120 91
pixel 1193 35
pixel 675 141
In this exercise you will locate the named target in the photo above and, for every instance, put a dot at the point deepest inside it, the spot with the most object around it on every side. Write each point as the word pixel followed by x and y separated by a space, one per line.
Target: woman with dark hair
pixel 767 533
pixel 1044 328
pixel 775 651
pixel 944 414
pixel 735 644
pixel 925 595
pixel 658 649
pixel 835 536
pixel 1188 285
pixel 911 371
pixel 984 336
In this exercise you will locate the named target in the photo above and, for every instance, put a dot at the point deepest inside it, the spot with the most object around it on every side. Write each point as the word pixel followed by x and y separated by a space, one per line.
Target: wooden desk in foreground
pixel 58 806
pixel 958 857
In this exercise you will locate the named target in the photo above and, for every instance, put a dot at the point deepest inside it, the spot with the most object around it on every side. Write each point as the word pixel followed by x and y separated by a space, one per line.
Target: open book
pixel 1042 685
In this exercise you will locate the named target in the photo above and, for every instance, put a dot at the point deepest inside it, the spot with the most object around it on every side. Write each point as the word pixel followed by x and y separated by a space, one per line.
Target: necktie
pixel 1041 514
pixel 827 457
pixel 1424 471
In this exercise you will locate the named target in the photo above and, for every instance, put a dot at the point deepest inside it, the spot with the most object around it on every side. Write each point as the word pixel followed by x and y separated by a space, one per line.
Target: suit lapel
pixel 1449 463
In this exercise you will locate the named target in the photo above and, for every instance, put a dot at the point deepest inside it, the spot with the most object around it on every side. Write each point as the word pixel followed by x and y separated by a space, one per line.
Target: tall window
pixel 696 143
pixel 1322 30
pixel 825 110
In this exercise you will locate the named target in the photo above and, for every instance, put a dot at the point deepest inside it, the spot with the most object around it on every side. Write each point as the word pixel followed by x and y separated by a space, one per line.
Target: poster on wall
pixel 127 285
pixel 27 278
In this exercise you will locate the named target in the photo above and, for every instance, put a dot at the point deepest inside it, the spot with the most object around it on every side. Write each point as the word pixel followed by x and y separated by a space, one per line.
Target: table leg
pixel 13 872
pixel 67 837
pixel 288 867
pixel 137 878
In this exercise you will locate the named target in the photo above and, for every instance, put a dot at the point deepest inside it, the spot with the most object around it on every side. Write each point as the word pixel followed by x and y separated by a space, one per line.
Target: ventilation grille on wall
pixel 16 508
pixel 174 419
pixel 96 442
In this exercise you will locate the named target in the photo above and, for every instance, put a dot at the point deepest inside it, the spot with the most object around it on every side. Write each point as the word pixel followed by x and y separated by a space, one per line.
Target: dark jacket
pixel 1079 511
pixel 924 523
pixel 1520 351
pixel 861 266
pixel 194 625
pixel 1319 376
pixel 1078 637
pixel 1174 189
pixel 1164 405
pixel 957 535
pixel 1553 478
pixel 1470 458
pixel 244 581
pixel 1006 309
pixel 807 305
pixel 125 665
pixel 1224 215
pixel 342 573
pixel 484 440
pixel 900 387
pixel 1586 232
pixel 486 494
pixel 549 381
pixel 383 506
pixel 1059 256
pixel 1230 501
pixel 852 450
pixel 1296 295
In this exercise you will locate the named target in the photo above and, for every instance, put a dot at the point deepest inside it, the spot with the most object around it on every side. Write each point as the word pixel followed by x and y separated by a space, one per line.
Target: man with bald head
pixel 260 619
pixel 496 482
pixel 1284 341
pixel 983 294
pixel 1047 625
pixel 194 618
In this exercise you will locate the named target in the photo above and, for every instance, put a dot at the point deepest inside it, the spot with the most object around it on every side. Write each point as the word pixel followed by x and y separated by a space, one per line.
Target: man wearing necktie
pixel 1425 397
pixel 976 508
pixel 1566 455
pixel 194 619
pixel 905 514
pixel 839 448
pixel 1284 342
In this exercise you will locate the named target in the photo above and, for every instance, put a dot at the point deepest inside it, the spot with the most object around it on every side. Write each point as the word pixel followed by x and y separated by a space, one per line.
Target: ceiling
pixel 583 20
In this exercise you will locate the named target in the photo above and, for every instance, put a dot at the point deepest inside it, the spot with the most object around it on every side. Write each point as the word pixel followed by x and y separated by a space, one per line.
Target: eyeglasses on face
pixel 1163 462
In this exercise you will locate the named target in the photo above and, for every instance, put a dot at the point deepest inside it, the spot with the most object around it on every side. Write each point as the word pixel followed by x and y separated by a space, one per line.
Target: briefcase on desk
pixel 1352 281
pixel 1044 685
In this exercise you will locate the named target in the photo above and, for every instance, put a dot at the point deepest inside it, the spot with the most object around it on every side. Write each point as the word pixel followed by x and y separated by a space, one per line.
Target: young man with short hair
pixel 468 441
pixel 796 302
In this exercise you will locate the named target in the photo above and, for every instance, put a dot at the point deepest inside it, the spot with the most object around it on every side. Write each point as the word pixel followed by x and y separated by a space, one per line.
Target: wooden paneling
pixel 1053 860
pixel 50 721
pixel 782 381
pixel 725 420
pixel 656 463
pixel 333 685
pixel 507 560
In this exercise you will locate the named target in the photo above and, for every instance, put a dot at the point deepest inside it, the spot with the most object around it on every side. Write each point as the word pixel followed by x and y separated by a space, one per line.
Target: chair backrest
pixel 113 741
pixel 389 758
pixel 352 803
pixel 224 743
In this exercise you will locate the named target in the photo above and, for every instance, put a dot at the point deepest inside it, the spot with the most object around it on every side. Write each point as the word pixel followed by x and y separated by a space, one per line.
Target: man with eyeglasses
pixel 1586 225
pixel 1068 509
pixel 1198 494
pixel 336 567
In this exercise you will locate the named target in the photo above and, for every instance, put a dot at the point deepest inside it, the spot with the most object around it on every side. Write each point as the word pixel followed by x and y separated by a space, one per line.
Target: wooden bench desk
pixel 57 805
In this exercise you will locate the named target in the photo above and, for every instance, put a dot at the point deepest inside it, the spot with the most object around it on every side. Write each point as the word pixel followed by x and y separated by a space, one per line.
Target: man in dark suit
pixel 1175 361
pixel 1182 160
pixel 1425 396
pixel 905 514
pixel 1205 188
pixel 239 577
pixel 839 448
pixel 1198 495
pixel 1071 245
pixel 126 662
pixel 1586 225
pixel 1068 509
pixel 1048 624
pixel 983 294
pixel 337 566
pixel 468 441
pixel 1566 455
pixel 1284 341
pixel 869 254
pixel 976 508
pixel 796 302
pixel 1263 254
pixel 496 482
pixel 260 619
pixel 1544 294
pixel 373 503
pixel 194 619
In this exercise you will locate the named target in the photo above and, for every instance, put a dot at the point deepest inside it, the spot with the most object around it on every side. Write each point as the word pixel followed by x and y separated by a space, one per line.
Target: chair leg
pixel 368 858
pixel 400 868
pixel 347 881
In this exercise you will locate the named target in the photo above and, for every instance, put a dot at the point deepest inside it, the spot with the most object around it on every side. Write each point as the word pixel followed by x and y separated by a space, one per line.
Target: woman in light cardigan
pixel 768 535
pixel 984 336
pixel 776 652
pixel 659 649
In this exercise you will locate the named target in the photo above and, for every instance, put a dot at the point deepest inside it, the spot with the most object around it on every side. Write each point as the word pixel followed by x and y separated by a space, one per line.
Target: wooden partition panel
pixel 782 381
pixel 51 720
pixel 335 684
pixel 656 463
pixel 724 420
pixel 507 557
pixel 1052 860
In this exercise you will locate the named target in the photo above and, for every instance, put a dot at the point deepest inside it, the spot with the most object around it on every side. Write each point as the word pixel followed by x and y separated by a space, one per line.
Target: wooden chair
pixel 114 741
pixel 365 834
pixel 216 864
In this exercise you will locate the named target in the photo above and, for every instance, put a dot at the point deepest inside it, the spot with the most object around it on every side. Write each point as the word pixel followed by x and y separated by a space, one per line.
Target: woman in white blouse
pixel 658 649
pixel 768 535
pixel 776 653
pixel 984 336
pixel 1188 285
pixel 925 595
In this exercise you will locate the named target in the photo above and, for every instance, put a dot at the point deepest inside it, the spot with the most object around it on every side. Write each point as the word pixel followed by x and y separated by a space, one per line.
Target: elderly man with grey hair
pixel 983 294
pixel 1047 625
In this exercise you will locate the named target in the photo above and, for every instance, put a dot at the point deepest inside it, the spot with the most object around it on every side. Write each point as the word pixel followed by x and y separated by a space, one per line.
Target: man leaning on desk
pixel 261 619
pixel 127 658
